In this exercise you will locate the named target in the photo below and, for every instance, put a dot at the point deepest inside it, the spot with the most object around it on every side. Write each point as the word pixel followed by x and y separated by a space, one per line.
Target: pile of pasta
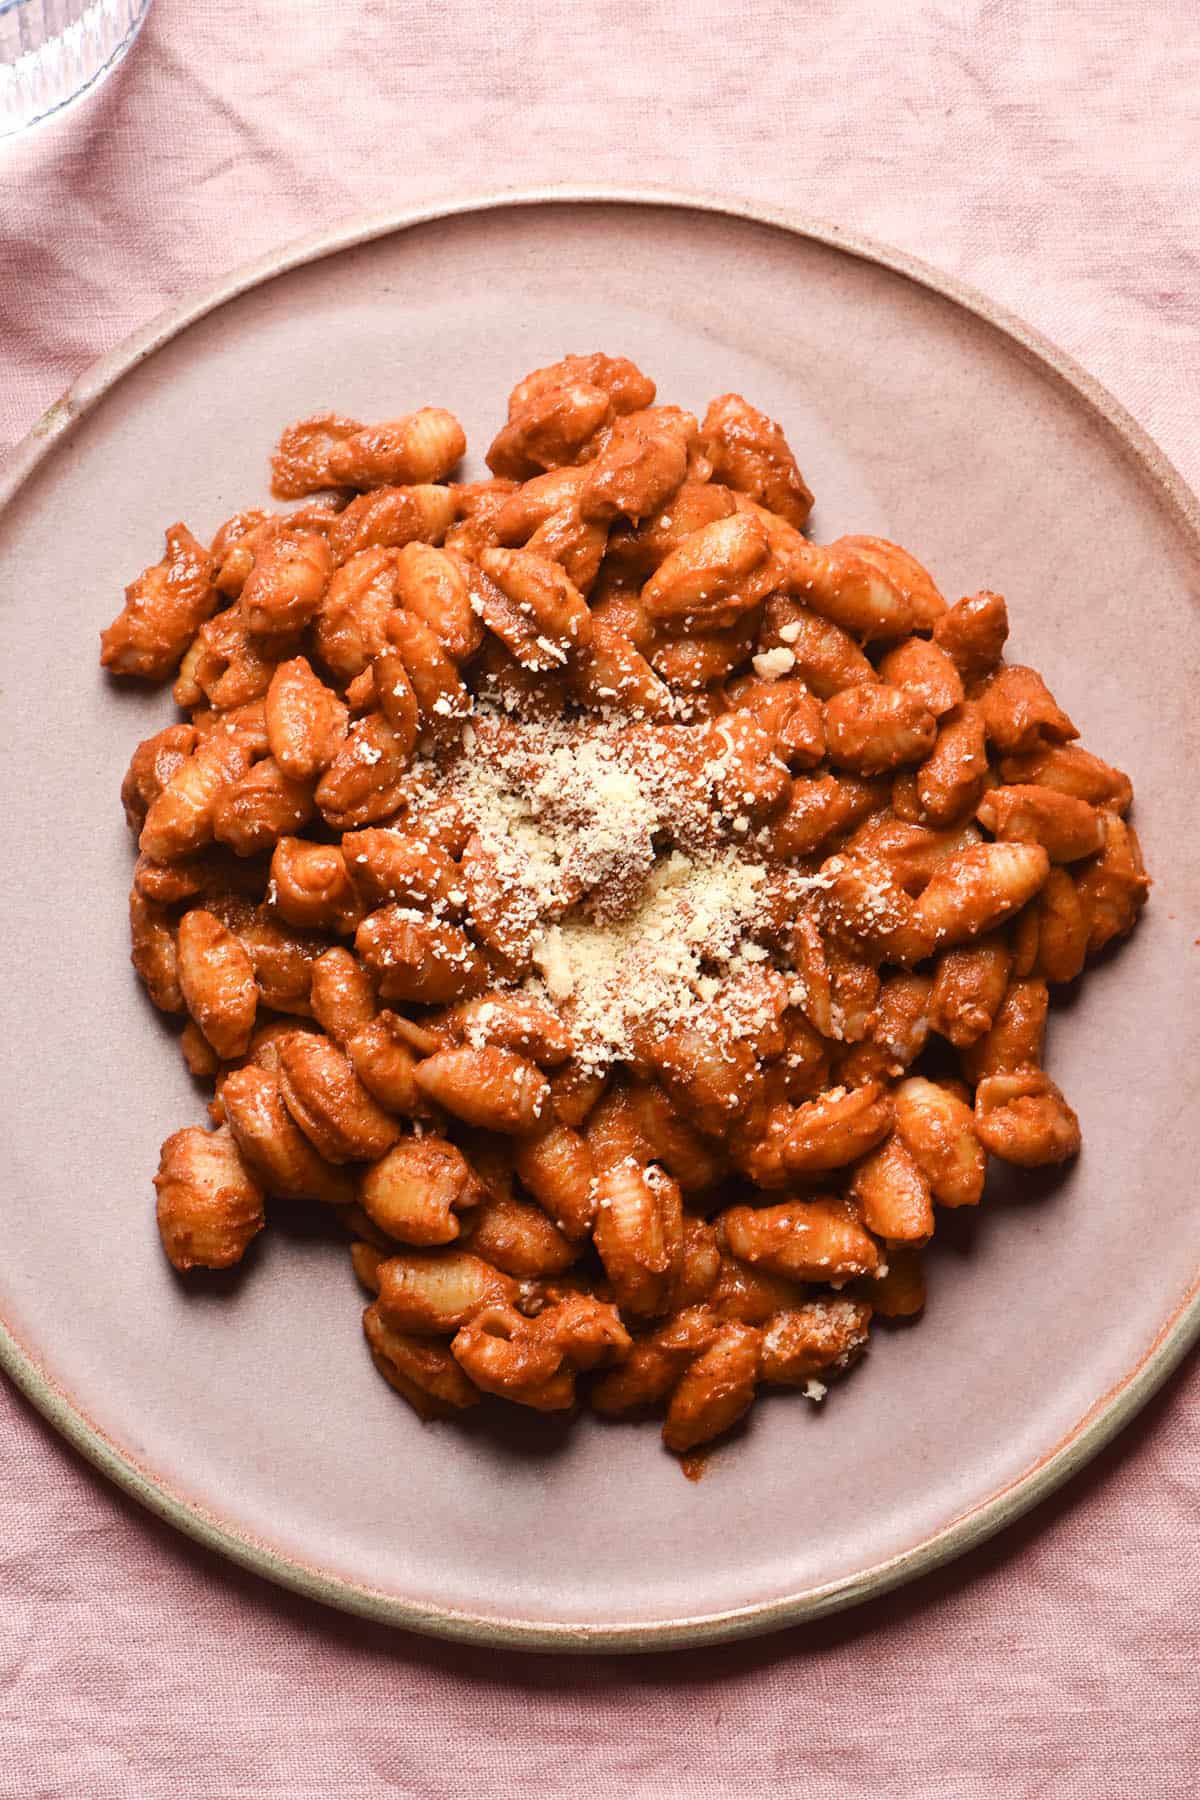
pixel 631 919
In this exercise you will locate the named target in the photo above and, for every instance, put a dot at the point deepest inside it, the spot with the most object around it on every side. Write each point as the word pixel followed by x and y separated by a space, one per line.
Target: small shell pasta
pixel 631 920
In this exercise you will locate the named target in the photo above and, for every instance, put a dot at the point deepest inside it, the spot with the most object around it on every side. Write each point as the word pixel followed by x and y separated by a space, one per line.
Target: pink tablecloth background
pixel 1051 156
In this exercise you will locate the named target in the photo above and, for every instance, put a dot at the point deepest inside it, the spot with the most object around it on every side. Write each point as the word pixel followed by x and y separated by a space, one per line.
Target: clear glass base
pixel 51 51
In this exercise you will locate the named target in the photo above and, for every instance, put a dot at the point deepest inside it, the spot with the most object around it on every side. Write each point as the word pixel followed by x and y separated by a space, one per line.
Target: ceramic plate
pixel 247 1412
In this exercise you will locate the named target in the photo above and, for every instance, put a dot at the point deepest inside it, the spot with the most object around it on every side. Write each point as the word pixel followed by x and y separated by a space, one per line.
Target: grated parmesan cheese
pixel 771 664
pixel 655 964
pixel 636 900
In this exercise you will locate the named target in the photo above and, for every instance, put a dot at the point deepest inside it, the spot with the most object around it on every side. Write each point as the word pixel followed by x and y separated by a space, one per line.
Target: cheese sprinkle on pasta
pixel 620 879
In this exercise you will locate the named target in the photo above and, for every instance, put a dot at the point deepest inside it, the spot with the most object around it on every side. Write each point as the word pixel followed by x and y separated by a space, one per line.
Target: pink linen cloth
pixel 1048 155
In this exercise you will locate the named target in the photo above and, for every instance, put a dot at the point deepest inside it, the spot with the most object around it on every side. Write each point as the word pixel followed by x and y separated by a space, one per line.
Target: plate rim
pixel 1102 1421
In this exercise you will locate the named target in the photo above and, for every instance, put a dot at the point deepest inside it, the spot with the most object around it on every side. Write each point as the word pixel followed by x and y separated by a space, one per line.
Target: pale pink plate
pixel 248 1412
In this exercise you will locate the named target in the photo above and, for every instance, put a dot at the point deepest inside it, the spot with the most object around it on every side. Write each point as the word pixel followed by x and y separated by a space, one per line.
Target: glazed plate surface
pixel 247 1411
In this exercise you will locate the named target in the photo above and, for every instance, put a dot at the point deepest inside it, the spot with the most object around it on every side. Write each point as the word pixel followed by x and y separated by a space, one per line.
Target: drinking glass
pixel 51 51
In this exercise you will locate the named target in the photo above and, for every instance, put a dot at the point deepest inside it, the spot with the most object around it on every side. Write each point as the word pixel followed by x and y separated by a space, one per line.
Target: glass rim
pixel 7 6
pixel 73 39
